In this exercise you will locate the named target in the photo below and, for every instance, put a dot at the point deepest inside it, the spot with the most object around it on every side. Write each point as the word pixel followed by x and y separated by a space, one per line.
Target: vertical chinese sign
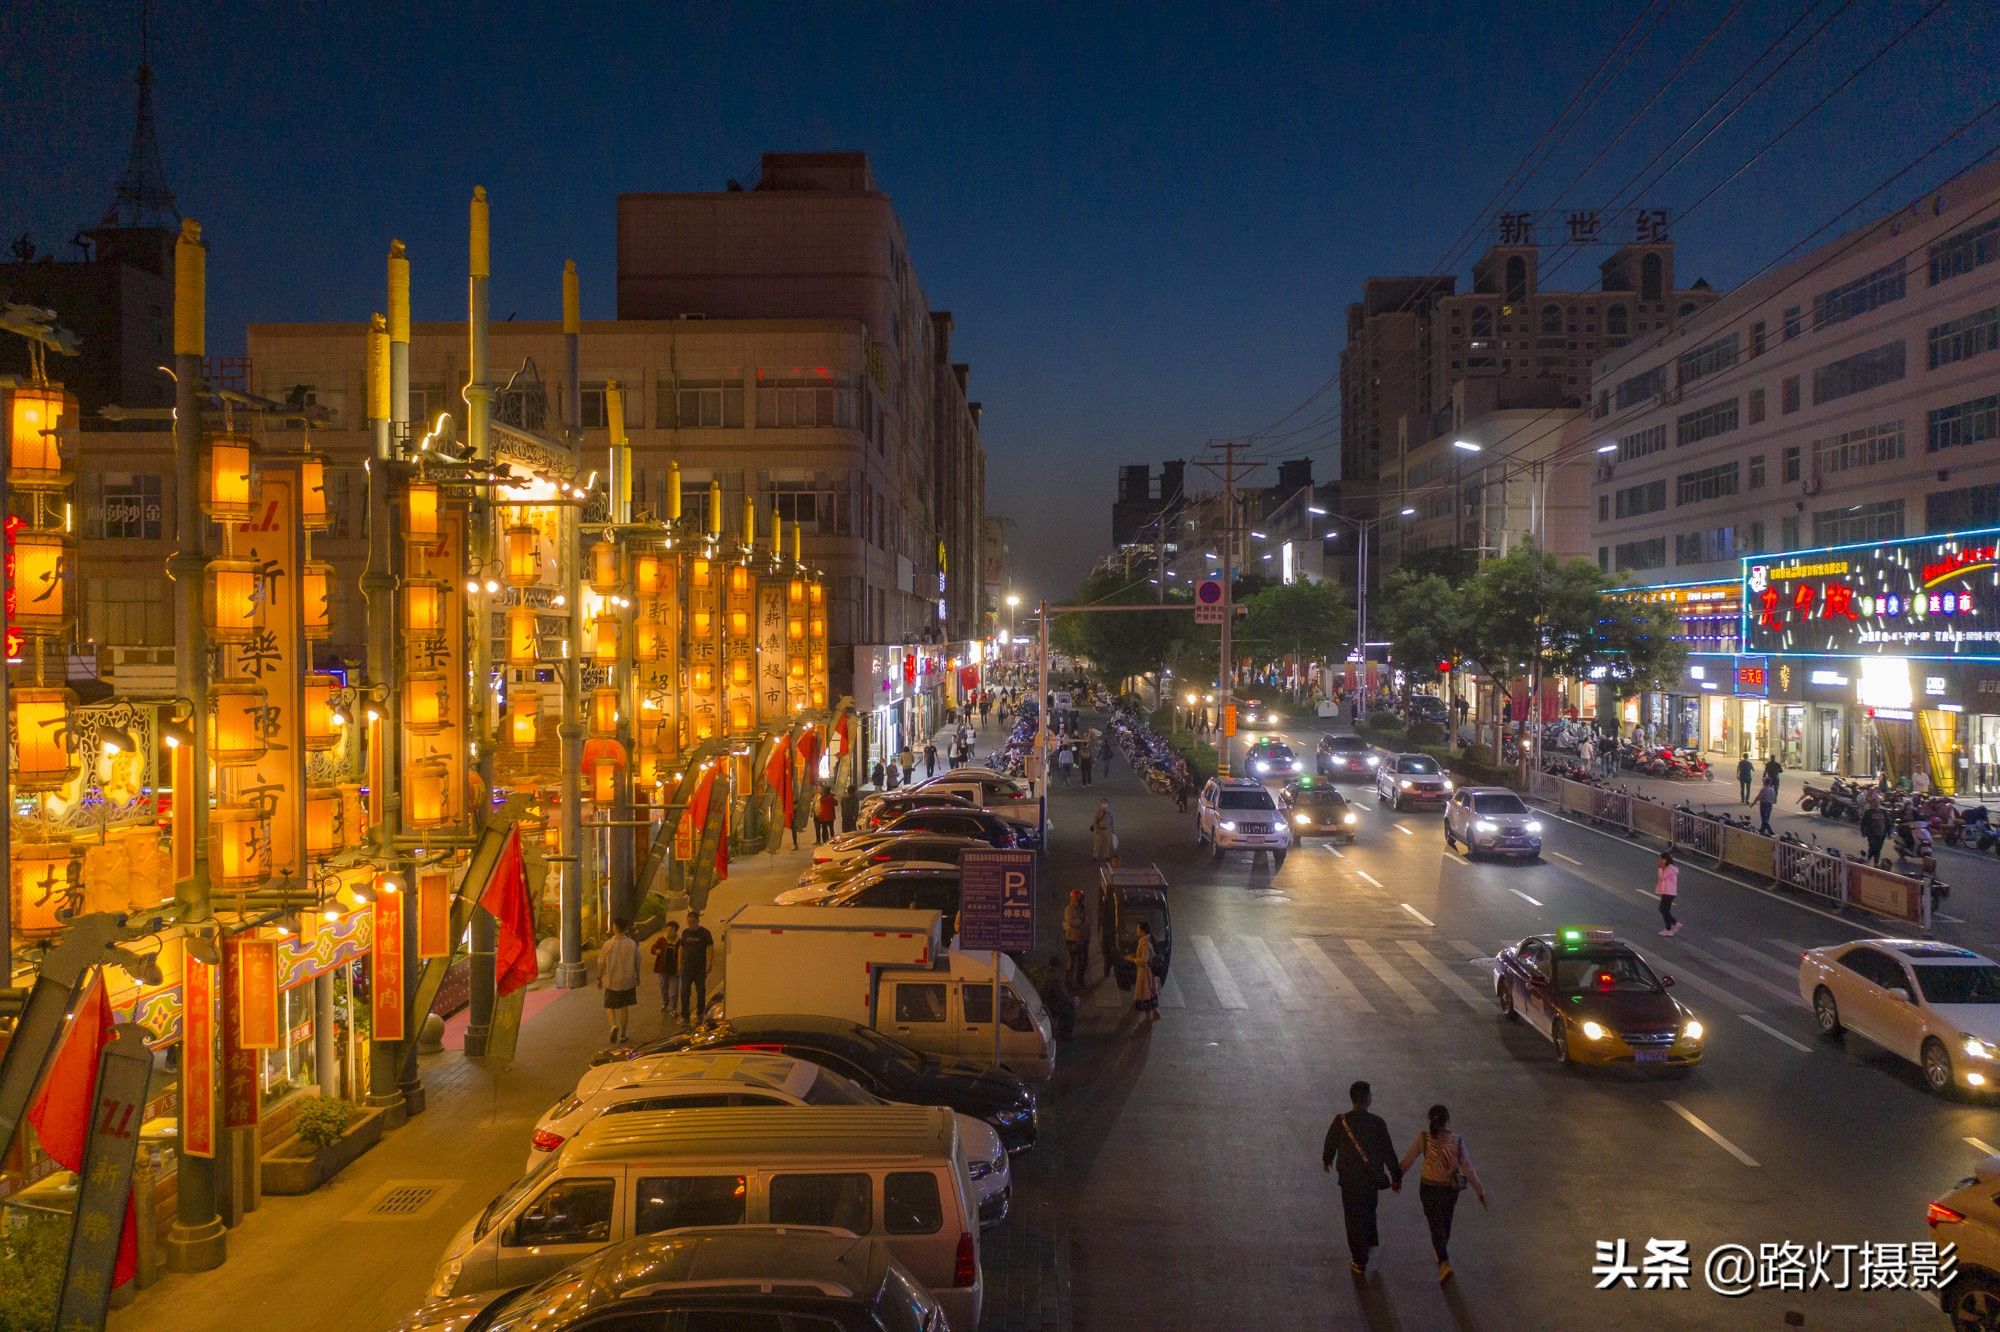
pixel 656 643
pixel 433 914
pixel 704 652
pixel 386 998
pixel 773 702
pixel 197 1056
pixel 740 650
pixel 434 704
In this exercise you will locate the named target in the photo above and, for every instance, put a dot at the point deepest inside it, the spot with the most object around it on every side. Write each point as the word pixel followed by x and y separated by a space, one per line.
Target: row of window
pixel 1653 439
pixel 1858 373
pixel 1868 292
pixel 1635 501
pixel 1965 337
pixel 1971 422
pixel 1706 483
pixel 1718 418
pixel 1859 448
pixel 1716 355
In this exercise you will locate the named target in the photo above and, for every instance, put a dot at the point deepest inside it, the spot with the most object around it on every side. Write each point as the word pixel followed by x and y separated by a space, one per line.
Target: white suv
pixel 1238 814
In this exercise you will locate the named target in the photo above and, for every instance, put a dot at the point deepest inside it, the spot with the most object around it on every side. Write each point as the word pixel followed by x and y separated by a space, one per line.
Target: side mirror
pixel 1899 992
pixel 1667 982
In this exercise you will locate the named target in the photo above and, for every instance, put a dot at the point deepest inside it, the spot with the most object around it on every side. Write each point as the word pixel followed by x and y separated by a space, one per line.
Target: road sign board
pixel 1208 592
pixel 996 900
pixel 1207 614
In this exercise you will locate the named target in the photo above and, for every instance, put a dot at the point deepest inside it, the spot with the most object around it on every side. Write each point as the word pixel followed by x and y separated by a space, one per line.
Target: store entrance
pixel 1827 725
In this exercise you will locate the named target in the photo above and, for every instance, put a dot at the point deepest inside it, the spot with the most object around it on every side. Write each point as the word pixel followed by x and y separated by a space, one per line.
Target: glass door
pixel 1827 722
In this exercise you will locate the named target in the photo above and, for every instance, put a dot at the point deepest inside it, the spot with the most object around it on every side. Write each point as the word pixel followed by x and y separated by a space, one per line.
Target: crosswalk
pixel 1424 977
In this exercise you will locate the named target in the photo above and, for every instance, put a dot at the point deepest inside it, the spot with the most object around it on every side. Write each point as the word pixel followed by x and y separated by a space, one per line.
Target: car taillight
pixel 965 1266
pixel 881 858
pixel 1937 1214
pixel 545 1141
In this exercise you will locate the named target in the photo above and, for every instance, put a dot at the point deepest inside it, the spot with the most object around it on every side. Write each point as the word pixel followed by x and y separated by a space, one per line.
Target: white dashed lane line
pixel 1419 915
pixel 1560 856
pixel 1371 878
pixel 1775 1034
pixel 1405 830
pixel 1709 1133
pixel 1524 897
pixel 1982 1148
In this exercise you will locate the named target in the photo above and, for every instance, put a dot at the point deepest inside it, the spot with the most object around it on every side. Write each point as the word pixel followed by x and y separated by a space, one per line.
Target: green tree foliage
pixel 1528 601
pixel 1455 564
pixel 1312 619
pixel 1426 618
pixel 1120 644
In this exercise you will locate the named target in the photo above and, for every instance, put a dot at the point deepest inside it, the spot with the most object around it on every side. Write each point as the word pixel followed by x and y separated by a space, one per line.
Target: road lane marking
pixel 1405 831
pixel 1714 1137
pixel 1225 989
pixel 1950 919
pixel 1170 994
pixel 1784 996
pixel 1763 959
pixel 1524 897
pixel 1418 914
pixel 1438 969
pixel 1317 959
pixel 1787 946
pixel 1981 1147
pixel 1471 951
pixel 1390 977
pixel 1334 849
pixel 1280 979
pixel 1769 1030
pixel 1560 856
pixel 1371 878
pixel 1733 1000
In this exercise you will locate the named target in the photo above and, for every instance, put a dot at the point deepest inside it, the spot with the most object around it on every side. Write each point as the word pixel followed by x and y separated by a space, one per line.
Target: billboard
pixel 1933 597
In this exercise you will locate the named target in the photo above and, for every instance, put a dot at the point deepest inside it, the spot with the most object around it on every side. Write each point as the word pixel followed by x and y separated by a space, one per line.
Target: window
pixel 1756 406
pixel 525 407
pixel 1788 529
pixel 814 500
pixel 803 403
pixel 1718 418
pixel 1653 439
pixel 1756 478
pixel 1616 322
pixel 1860 296
pixel 1706 546
pixel 1858 373
pixel 1965 337
pixel 1963 423
pixel 1640 554
pixel 910 1203
pixel 1646 497
pixel 1882 521
pixel 1482 321
pixel 978 1001
pixel 846 1201
pixel 1604 508
pixel 1788 464
pixel 594 399
pixel 1705 483
pixel 123 506
pixel 1964 251
pixel 920 1002
pixel 569 1211
pixel 687 1200
pixel 1859 448
pixel 1757 338
pixel 1552 320
pixel 1641 388
pixel 1756 539
pixel 127 612
pixel 1788 395
pixel 1792 323
pixel 1967 506
pixel 1708 358
pixel 700 401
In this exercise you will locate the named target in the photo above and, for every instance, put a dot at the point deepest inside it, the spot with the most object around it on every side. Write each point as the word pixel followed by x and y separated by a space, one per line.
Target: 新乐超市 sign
pixel 1934 596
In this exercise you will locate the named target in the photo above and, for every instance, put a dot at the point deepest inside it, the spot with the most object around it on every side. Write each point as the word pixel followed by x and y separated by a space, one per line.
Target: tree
pixel 1312 620
pixel 1455 564
pixel 1120 644
pixel 1426 619
pixel 1528 603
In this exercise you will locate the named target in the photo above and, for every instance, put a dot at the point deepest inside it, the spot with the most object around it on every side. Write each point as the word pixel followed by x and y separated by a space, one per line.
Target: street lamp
pixel 1465 446
pixel 1013 603
pixel 1362 527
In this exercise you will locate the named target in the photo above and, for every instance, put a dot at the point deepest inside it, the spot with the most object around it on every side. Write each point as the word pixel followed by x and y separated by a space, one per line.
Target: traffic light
pixel 1446 665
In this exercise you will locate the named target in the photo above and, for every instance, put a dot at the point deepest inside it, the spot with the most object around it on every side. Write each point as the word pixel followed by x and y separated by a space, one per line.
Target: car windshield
pixel 1605 973
pixel 1504 803
pixel 1282 753
pixel 1959 984
pixel 1246 800
pixel 1423 765
pixel 1317 796
pixel 513 1193
pixel 890 1051
pixel 1353 742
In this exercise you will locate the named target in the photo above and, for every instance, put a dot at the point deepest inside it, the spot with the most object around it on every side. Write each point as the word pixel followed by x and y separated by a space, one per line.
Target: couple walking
pixel 1359 1151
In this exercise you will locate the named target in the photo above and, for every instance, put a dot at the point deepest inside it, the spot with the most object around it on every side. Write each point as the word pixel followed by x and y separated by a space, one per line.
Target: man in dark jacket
pixel 1874 826
pixel 1746 772
pixel 1358 1144
pixel 1772 768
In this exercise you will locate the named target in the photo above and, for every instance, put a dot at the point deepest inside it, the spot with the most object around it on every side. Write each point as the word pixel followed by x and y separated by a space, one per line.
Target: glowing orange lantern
pixel 42 564
pixel 316 599
pixel 739 714
pixel 602 761
pixel 703 679
pixel 521 637
pixel 604 570
pixel 607 638
pixel 739 579
pixel 239 845
pixel 34 460
pixel 524 706
pixel 319 730
pixel 816 593
pixel 739 671
pixel 424 804
pixel 233 600
pixel 739 624
pixel 524 555
pixel 236 732
pixel 423 607
pixel 604 710
pixel 314 511
pixel 703 622
pixel 645 641
pixel 698 573
pixel 45 885
pixel 226 492
pixel 646 575
pixel 324 816
pixel 425 698
pixel 42 747
pixel 420 511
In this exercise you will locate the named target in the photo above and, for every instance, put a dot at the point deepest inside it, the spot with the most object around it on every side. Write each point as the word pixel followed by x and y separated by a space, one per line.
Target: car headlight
pixel 1533 826
pixel 1227 825
pixel 1404 783
pixel 1978 1049
pixel 1692 1030
pixel 1296 765
pixel 1273 717
pixel 1301 819
pixel 1348 818
pixel 1374 761
pixel 1486 826
pixel 447 1277
pixel 1261 766
pixel 1592 1031
pixel 1447 783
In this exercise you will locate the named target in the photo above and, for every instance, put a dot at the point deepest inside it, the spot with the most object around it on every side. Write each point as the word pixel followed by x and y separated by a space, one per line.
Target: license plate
pixel 1651 1056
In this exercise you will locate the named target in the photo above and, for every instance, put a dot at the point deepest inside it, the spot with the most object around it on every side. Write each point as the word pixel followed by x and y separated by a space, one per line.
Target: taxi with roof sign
pixel 1596 1000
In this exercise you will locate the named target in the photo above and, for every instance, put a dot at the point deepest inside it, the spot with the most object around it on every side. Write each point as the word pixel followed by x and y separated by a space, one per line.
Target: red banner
pixel 240 1093
pixel 258 1023
pixel 197 1057
pixel 433 914
pixel 386 976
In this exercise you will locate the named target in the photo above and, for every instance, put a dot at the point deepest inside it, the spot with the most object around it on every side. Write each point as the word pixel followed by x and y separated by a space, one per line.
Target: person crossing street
pixel 1358 1144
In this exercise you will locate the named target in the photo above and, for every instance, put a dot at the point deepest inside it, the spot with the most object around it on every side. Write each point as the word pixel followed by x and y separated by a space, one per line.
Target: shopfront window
pixel 289 1068
pixel 1985 752
pixel 1828 723
pixel 1791 738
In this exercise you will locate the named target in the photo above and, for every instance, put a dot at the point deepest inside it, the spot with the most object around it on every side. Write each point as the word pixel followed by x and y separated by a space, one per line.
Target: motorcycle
pixel 1913 848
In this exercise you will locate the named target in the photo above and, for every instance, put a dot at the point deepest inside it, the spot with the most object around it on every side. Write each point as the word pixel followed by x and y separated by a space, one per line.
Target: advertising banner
pixel 433 914
pixel 1934 597
pixel 197 1057
pixel 386 976
pixel 275 658
pixel 704 653
pixel 773 703
pixel 996 900
pixel 241 1107
pixel 739 688
pixel 258 1024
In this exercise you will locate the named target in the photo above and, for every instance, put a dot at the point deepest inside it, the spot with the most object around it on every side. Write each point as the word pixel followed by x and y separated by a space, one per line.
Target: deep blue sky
pixel 1147 219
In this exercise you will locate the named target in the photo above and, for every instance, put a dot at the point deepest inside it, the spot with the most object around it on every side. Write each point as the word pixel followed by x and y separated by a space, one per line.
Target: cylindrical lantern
pixel 524 555
pixel 604 566
pixel 604 784
pixel 233 600
pixel 739 672
pixel 524 706
pixel 795 592
pixel 739 578
pixel 239 846
pixel 323 821
pixel 425 696
pixel 701 678
pixel 607 638
pixel 33 458
pixel 39 598
pixel 420 511
pixel 42 748
pixel 604 710
pixel 353 814
pixel 739 714
pixel 739 624
pixel 816 593
pixel 236 722
pixel 314 510
pixel 703 622
pixel 316 599
pixel 424 799
pixel 226 492
pixel 521 639
pixel 646 575
pixel 319 731
pixel 44 881
pixel 645 640
pixel 698 573
pixel 423 607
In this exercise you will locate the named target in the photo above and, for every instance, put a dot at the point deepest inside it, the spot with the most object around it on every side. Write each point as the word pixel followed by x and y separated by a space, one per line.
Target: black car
pixel 988 828
pixel 1347 756
pixel 1428 708
pixel 898 888
pixel 884 1066
pixel 882 810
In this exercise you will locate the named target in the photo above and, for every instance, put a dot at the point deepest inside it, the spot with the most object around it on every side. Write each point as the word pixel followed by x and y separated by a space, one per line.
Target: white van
pixel 893 1172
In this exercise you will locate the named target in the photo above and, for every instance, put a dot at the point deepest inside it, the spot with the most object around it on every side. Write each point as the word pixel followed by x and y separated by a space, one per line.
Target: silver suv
pixel 1492 818
pixel 1238 814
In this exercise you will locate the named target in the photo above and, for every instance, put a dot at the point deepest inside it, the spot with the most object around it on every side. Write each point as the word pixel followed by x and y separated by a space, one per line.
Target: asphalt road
pixel 1188 1178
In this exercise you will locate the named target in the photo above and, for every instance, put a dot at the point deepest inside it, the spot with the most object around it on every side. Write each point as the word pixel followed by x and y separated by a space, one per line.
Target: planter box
pixel 293 1168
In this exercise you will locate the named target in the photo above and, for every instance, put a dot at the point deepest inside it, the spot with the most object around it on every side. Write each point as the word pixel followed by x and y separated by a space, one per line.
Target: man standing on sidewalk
pixel 823 810
pixel 1875 825
pixel 1084 758
pixel 1766 800
pixel 696 944
pixel 1746 772
pixel 1103 838
pixel 618 976
pixel 930 758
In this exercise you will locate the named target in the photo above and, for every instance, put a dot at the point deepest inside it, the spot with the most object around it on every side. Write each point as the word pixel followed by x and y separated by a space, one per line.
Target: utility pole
pixel 1231 469
pixel 485 931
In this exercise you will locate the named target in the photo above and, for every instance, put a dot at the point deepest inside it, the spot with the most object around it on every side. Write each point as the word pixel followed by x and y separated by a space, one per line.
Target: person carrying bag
pixel 1447 1172
pixel 1358 1144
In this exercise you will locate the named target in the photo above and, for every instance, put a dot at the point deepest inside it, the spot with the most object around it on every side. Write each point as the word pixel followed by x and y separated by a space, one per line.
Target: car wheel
pixel 1972 1301
pixel 1504 993
pixel 1937 1067
pixel 1559 1033
pixel 1827 1010
pixel 1277 863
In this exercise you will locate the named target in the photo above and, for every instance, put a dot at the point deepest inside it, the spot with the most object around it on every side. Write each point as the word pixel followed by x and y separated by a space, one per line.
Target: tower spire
pixel 142 199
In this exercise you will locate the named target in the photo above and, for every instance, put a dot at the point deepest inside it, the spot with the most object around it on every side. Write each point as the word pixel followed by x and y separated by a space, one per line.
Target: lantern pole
pixel 197 1241
pixel 624 891
pixel 569 891
pixel 479 434
pixel 6 720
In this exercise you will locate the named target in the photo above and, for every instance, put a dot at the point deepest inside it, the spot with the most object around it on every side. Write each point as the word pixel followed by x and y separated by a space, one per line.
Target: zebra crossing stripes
pixel 1438 969
pixel 1219 979
pixel 1789 998
pixel 1336 979
pixel 1170 993
pixel 1280 979
pixel 1390 977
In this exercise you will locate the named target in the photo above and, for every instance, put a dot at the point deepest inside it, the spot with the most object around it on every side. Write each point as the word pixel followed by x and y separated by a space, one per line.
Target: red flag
pixel 506 900
pixel 62 1109
pixel 840 729
pixel 778 772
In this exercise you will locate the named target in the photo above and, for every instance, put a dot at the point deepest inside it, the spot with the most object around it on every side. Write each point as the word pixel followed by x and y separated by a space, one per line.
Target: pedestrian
pixel 1586 754
pixel 667 966
pixel 1767 799
pixel 1771 770
pixel 1065 762
pixel 1084 760
pixel 1103 834
pixel 695 945
pixel 1667 887
pixel 1145 983
pixel 908 762
pixel 1358 1143
pixel 1104 753
pixel 1354 712
pixel 876 776
pixel 1107 927
pixel 1875 826
pixel 618 976
pixel 823 810
pixel 930 758
pixel 1183 788
pixel 1746 771
pixel 1447 1172
pixel 1076 938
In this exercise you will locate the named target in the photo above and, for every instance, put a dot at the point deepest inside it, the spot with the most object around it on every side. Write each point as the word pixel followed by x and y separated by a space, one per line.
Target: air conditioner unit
pixel 1809 486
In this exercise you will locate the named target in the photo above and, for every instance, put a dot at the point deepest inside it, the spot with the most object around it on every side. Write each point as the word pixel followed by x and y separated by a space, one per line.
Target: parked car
pixel 956 822
pixel 1428 708
pixel 826 1279
pixel 1411 779
pixel 847 846
pixel 1934 1004
pixel 1969 1217
pixel 903 848
pixel 878 811
pixel 901 887
pixel 1238 814
pixel 1346 756
pixel 1316 808
pixel 1492 819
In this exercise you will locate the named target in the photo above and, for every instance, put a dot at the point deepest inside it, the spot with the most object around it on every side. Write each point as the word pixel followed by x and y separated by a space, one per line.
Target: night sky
pixel 1148 220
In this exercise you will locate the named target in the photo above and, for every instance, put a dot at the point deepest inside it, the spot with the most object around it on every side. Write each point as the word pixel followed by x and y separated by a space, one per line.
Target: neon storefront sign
pixel 1935 597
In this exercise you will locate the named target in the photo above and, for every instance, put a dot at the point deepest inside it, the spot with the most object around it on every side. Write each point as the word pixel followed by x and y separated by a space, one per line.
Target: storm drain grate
pixel 407 1200
pixel 404 1200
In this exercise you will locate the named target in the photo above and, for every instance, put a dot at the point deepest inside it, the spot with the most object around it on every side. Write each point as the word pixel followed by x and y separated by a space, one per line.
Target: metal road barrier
pixel 1698 833
pixel 1812 871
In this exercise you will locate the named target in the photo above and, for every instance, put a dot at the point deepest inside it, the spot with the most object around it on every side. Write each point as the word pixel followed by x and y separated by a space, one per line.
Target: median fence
pixel 1834 879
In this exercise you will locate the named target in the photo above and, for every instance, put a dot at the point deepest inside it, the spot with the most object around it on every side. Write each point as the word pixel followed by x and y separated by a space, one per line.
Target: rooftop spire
pixel 143 199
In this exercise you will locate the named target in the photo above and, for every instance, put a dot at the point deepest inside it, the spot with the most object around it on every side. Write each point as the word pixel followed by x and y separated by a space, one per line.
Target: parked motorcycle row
pixel 1944 819
pixel 1163 770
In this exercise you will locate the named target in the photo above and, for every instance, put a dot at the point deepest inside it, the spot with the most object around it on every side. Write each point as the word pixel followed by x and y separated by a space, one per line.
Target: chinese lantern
pixel 607 638
pixel 420 511
pixel 239 846
pixel 38 601
pixel 646 575
pixel 604 710
pixel 521 636
pixel 42 748
pixel 524 556
pixel 698 573
pixel 353 814
pixel 739 672
pixel 316 599
pixel 795 592
pixel 739 714
pixel 323 821
pixel 524 706
pixel 423 607
pixel 604 570
pixel 816 593
pixel 425 697
pixel 704 679
pixel 604 784
pixel 44 882
pixel 233 600
pixel 645 641
pixel 601 761
pixel 739 579
pixel 33 458
pixel 314 512
pixel 739 624
pixel 236 723
pixel 703 622
pixel 797 668
pixel 319 731
pixel 226 493
pixel 424 804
